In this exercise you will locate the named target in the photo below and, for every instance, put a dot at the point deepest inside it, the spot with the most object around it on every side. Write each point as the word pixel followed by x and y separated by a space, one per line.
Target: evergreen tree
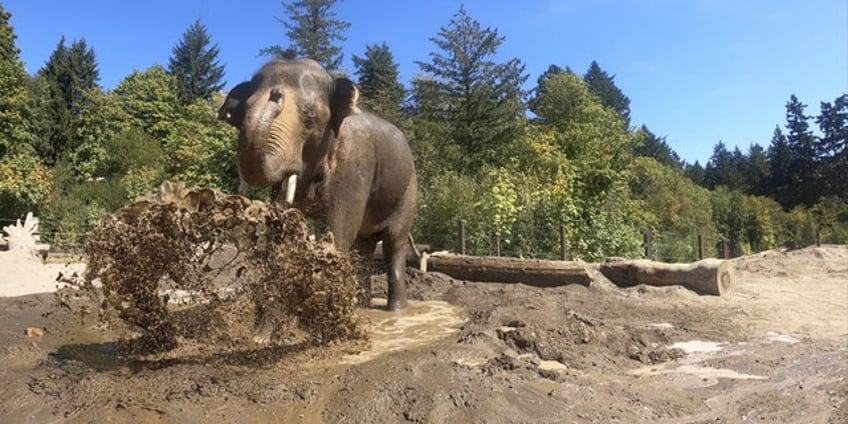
pixel 695 172
pixel 832 147
pixel 478 98
pixel 15 102
pixel 603 86
pixel 802 143
pixel 69 74
pixel 725 168
pixel 312 29
pixel 378 75
pixel 656 147
pixel 194 64
pixel 781 180
pixel 756 171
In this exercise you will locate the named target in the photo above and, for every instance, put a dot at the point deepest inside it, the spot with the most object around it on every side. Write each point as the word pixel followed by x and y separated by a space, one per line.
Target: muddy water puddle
pixel 420 323
pixel 692 367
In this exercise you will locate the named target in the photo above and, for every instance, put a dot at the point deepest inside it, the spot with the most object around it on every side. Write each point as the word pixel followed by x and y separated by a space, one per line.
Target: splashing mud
pixel 195 267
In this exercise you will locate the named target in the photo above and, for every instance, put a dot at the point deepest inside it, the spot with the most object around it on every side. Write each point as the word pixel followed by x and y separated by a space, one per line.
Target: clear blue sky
pixel 696 71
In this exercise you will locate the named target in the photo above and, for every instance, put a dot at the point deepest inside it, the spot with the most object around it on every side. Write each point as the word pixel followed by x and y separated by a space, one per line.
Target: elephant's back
pixel 393 177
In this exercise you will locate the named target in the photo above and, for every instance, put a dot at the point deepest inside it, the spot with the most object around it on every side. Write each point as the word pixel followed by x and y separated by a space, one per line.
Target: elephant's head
pixel 287 114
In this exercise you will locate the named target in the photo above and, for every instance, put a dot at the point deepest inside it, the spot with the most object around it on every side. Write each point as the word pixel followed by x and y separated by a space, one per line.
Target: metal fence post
pixel 563 247
pixel 646 243
pixel 462 236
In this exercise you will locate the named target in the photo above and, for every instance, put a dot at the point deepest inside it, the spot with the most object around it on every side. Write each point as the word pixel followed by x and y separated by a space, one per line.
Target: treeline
pixel 513 164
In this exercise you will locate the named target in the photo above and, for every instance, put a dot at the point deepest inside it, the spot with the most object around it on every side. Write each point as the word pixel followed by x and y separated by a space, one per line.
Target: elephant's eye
pixel 308 114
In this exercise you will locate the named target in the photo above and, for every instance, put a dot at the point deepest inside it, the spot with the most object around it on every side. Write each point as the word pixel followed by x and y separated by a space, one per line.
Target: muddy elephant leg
pixel 364 267
pixel 394 250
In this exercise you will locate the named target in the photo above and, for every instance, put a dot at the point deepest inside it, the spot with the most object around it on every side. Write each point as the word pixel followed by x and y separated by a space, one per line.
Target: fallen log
pixel 709 276
pixel 533 272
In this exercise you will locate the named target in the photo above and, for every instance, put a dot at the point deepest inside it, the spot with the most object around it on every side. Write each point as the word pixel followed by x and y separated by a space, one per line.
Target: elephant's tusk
pixel 290 186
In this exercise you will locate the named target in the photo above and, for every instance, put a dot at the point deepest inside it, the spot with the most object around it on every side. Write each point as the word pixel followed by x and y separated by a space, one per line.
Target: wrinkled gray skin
pixel 355 171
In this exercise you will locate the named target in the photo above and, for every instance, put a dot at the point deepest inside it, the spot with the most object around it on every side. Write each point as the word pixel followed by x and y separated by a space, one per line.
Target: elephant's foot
pixel 395 304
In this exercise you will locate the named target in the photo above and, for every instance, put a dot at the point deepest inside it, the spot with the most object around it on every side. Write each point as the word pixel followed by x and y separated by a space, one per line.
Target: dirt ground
pixel 774 350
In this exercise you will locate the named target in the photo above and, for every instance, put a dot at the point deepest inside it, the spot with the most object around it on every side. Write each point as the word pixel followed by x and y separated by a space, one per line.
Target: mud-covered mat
pixel 201 269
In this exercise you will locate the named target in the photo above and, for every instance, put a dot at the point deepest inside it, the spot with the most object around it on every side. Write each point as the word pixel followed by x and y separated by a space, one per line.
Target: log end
pixel 725 278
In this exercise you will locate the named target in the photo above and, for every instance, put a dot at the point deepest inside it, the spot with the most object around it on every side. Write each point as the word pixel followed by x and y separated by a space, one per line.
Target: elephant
pixel 347 169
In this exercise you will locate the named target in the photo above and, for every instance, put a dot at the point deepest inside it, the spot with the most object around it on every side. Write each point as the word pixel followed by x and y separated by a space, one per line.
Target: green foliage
pixel 64 86
pixel 448 198
pixel 75 210
pixel 194 65
pixel 382 93
pixel 781 180
pixel 802 143
pixel 24 184
pixel 96 125
pixel 726 168
pixel 755 223
pixel 591 135
pixel 695 172
pixel 831 214
pixel 799 167
pixel 649 145
pixel 312 29
pixel 832 147
pixel 476 97
pixel 202 150
pixel 674 208
pixel 149 98
pixel 603 85
pixel 15 103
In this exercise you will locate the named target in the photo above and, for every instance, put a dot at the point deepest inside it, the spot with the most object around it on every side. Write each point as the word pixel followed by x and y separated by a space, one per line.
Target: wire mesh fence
pixel 63 239
pixel 541 242
pixel 551 242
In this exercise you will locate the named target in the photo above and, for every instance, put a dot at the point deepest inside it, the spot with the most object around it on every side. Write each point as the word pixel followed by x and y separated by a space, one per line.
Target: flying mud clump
pixel 196 266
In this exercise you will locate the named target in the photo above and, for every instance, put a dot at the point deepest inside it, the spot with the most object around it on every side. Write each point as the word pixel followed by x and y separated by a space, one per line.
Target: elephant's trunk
pixel 265 152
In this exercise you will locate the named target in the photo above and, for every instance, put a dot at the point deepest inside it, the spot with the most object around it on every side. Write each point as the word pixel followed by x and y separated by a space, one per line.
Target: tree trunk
pixel 533 272
pixel 709 276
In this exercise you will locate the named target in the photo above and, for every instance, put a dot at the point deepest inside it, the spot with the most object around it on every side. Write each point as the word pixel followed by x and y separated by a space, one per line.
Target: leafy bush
pixel 24 184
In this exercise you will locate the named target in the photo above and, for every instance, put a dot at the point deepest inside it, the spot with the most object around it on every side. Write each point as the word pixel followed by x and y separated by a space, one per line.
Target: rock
pixel 33 332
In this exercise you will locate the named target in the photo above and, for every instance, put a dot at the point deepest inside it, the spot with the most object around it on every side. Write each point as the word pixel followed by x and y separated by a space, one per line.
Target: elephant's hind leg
pixel 395 250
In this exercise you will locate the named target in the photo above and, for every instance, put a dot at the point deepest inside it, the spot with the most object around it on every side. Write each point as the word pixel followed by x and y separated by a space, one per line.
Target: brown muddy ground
pixel 774 350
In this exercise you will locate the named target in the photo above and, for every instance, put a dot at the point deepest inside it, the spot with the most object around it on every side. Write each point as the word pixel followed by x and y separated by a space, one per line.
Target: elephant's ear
pixel 232 111
pixel 342 103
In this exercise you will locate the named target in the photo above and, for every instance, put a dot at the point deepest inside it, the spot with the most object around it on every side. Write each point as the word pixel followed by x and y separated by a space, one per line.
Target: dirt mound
pixel 195 266
pixel 792 263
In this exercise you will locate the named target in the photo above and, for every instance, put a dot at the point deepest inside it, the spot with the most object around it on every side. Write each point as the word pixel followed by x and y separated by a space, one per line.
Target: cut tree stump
pixel 533 272
pixel 709 276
